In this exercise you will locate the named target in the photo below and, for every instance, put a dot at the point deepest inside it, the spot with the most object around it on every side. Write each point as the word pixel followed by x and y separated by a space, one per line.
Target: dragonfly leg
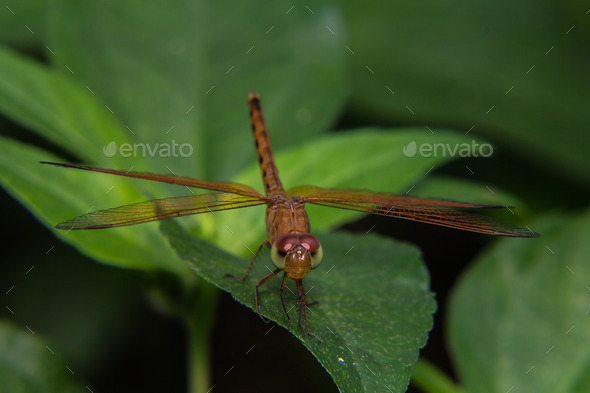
pixel 283 303
pixel 264 243
pixel 303 309
pixel 259 283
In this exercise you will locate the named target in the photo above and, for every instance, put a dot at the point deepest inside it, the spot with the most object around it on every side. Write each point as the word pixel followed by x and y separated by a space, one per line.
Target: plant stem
pixel 199 318
pixel 429 379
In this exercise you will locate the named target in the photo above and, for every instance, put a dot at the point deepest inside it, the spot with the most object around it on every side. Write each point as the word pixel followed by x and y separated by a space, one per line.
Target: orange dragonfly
pixel 293 249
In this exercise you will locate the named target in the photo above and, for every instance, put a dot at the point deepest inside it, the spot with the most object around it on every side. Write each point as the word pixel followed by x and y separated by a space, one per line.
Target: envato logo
pixel 447 150
pixel 147 150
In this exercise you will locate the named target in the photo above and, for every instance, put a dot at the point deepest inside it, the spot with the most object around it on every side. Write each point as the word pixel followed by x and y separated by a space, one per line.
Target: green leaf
pixel 445 187
pixel 191 65
pixel 374 311
pixel 22 23
pixel 50 104
pixel 584 384
pixel 54 196
pixel 362 159
pixel 28 365
pixel 427 378
pixel 519 317
pixel 491 66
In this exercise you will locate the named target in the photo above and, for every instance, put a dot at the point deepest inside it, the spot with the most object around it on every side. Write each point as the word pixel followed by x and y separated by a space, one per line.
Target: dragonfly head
pixel 297 254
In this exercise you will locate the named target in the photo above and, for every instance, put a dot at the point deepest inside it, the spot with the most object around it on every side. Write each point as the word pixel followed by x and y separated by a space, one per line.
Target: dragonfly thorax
pixel 297 254
pixel 285 216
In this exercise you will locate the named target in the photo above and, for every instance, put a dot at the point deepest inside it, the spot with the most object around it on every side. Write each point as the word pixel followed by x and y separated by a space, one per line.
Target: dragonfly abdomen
pixel 270 173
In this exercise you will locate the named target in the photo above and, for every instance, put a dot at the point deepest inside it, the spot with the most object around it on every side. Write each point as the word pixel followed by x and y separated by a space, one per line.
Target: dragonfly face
pixel 296 254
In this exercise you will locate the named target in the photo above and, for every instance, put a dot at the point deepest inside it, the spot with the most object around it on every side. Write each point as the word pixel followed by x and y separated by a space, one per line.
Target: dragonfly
pixel 293 249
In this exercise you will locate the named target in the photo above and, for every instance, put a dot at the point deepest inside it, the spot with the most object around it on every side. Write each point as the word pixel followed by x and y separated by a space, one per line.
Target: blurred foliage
pixel 451 63
pixel 76 76
pixel 27 365
pixel 519 315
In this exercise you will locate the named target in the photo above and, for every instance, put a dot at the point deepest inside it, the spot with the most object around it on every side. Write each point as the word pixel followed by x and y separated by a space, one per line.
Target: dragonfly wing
pixel 234 188
pixel 435 212
pixel 312 194
pixel 160 209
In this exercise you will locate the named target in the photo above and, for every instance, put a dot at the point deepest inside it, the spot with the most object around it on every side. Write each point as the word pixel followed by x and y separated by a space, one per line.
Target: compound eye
pixel 279 249
pixel 313 245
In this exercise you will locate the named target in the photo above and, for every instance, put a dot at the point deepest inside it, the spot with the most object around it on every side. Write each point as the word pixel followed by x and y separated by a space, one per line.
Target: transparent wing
pixel 429 211
pixel 234 188
pixel 160 209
